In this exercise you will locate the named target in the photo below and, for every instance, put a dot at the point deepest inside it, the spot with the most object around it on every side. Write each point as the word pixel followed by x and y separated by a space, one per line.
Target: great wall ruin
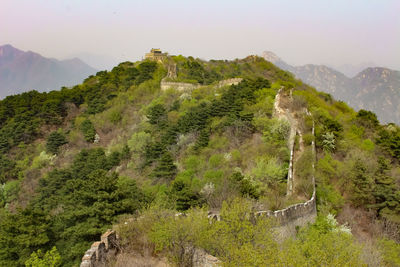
pixel 168 82
pixel 288 219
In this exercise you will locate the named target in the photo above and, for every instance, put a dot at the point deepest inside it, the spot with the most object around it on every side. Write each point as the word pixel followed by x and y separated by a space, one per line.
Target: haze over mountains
pixel 23 71
pixel 351 70
pixel 374 88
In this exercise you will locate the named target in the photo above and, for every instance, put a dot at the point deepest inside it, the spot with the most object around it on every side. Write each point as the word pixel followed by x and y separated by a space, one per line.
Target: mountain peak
pixel 7 51
pixel 271 57
pixel 22 71
pixel 372 88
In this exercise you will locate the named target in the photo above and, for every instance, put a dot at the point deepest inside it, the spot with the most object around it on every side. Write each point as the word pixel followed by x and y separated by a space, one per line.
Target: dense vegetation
pixel 76 161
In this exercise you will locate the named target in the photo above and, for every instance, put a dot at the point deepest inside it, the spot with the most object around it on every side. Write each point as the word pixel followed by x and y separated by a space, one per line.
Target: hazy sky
pixel 299 31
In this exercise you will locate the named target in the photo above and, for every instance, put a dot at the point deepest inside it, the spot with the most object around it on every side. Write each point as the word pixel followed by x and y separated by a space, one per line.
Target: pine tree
pixel 386 199
pixel 54 141
pixel 166 167
pixel 88 130
pixel 203 139
pixel 362 185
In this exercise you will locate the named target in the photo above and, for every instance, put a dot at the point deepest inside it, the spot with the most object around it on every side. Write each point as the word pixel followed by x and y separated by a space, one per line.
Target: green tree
pixel 8 169
pixel 203 139
pixel 88 130
pixel 386 197
pixel 362 185
pixel 22 233
pixel 166 168
pixel 367 119
pixel 183 196
pixel 54 141
pixel 244 186
pixel 157 115
pixel 50 259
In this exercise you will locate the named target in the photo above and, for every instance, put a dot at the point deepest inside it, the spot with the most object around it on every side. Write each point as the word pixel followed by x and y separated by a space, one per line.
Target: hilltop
pixel 24 71
pixel 122 151
pixel 374 88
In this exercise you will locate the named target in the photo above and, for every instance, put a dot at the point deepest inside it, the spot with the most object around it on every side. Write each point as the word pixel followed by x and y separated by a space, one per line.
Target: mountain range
pixel 375 88
pixel 22 71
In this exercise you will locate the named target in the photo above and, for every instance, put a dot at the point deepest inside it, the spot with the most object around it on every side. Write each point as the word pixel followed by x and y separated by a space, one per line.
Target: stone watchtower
pixel 155 54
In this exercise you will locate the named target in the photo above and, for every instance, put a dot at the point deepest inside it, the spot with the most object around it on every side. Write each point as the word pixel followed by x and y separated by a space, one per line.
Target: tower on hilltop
pixel 156 55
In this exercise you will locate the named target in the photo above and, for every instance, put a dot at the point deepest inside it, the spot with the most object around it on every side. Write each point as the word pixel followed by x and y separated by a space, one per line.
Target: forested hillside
pixel 117 151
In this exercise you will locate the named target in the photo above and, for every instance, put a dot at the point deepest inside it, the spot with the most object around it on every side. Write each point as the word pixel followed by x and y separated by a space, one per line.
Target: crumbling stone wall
pixel 101 251
pixel 180 86
pixel 228 82
pixel 203 259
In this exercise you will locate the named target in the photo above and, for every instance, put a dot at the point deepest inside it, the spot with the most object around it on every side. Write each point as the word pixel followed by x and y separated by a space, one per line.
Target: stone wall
pixel 228 82
pixel 180 86
pixel 101 251
pixel 292 217
pixel 202 259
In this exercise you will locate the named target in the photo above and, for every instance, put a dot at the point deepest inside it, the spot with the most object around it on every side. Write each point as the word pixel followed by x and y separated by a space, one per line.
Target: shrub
pixel 115 116
pixel 308 138
pixel 138 141
pixel 216 160
pixel 50 259
pixel 42 160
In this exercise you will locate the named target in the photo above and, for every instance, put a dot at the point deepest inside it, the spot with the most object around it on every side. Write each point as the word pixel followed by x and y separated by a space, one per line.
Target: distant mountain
pixel 101 62
pixel 351 70
pixel 376 89
pixel 23 71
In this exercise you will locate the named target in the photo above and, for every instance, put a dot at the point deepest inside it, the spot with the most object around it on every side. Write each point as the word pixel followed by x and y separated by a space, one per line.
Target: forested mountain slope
pixel 117 150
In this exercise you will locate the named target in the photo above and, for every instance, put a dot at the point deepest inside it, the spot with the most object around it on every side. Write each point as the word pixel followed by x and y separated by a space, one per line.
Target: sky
pixel 105 32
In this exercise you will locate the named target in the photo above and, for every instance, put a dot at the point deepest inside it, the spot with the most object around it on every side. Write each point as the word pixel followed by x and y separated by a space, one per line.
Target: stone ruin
pixel 101 251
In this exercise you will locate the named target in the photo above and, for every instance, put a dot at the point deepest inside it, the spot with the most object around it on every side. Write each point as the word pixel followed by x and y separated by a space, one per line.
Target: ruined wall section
pixel 101 251
pixel 180 86
pixel 229 82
